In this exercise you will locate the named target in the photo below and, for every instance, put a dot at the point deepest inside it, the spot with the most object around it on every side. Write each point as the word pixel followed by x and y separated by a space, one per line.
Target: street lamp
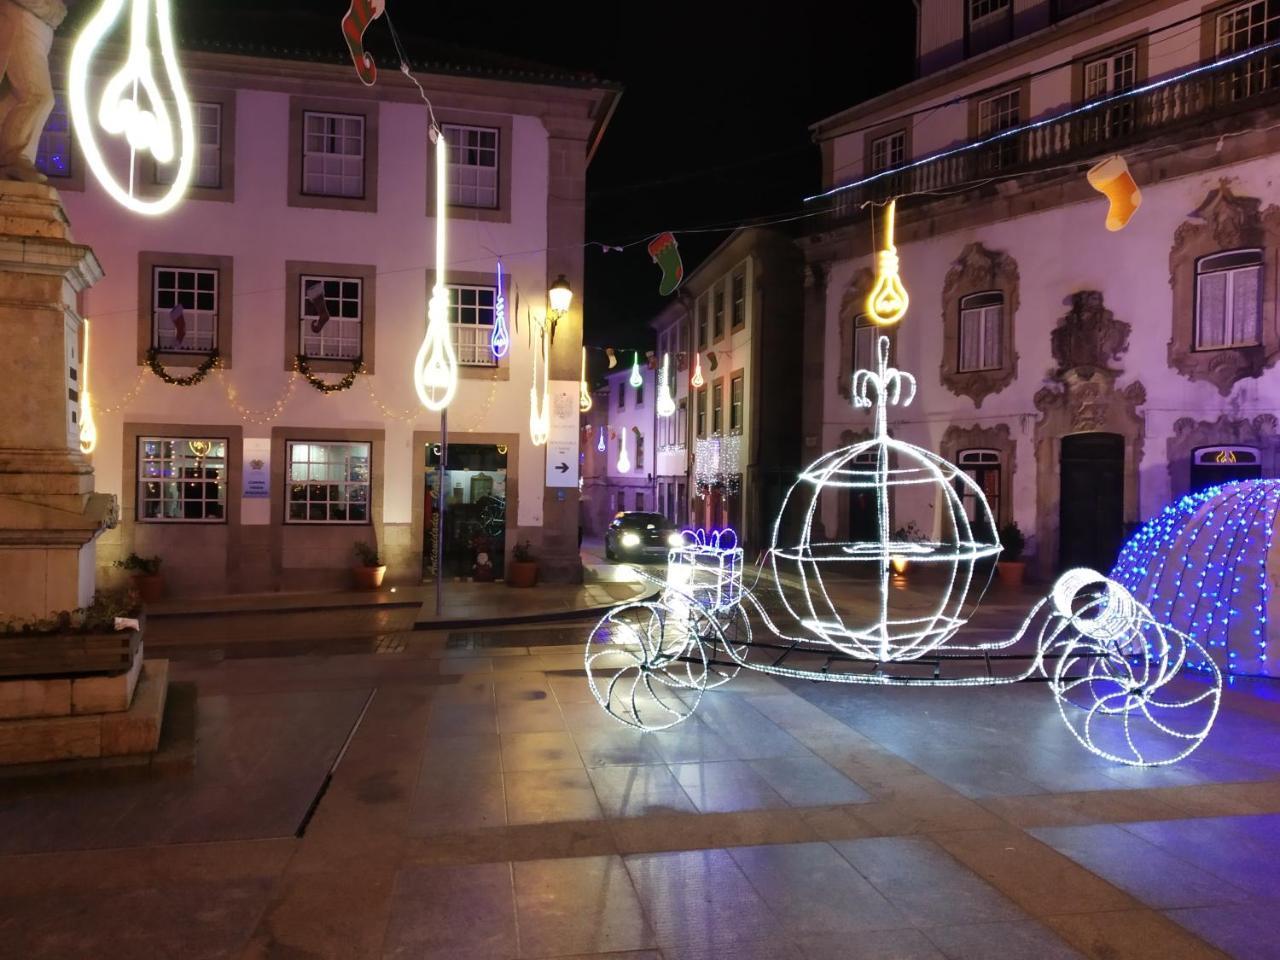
pixel 560 296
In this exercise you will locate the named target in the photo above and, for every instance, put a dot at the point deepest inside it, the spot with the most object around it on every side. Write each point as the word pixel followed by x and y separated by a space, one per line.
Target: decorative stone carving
pixel 26 97
pixel 995 437
pixel 1189 435
pixel 1089 336
pixel 978 270
pixel 1222 222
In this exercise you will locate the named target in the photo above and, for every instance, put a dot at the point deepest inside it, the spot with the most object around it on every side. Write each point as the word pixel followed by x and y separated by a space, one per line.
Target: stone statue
pixel 26 92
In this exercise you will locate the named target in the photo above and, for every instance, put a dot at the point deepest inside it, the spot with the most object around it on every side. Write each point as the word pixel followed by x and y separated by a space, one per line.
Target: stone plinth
pixel 49 512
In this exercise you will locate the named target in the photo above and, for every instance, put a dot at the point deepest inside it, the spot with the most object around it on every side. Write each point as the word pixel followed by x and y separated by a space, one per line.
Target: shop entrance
pixel 475 516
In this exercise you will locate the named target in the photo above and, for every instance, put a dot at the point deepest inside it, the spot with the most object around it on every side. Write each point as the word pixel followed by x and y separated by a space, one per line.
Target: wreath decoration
pixel 191 379
pixel 304 368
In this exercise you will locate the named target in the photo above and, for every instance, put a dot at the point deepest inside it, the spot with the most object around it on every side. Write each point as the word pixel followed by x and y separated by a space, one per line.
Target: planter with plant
pixel 145 573
pixel 1010 567
pixel 522 571
pixel 100 638
pixel 369 568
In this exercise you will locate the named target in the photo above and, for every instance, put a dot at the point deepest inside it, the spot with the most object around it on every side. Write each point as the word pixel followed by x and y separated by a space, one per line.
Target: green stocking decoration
pixel 666 254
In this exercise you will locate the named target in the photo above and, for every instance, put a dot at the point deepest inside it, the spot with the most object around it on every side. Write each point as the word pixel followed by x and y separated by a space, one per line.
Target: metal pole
pixel 440 501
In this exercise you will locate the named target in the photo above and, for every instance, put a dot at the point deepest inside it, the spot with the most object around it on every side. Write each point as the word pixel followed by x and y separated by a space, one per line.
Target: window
pixel 680 501
pixel 864 343
pixel 983 466
pixel 182 480
pixel 717 407
pixel 639 450
pixel 473 165
pixel 1211 466
pixel 1103 77
pixel 888 151
pixel 702 324
pixel 981 327
pixel 980 10
pixel 333 154
pixel 639 499
pixel 735 404
pixel 1240 28
pixel 471 319
pixel 640 394
pixel 1228 300
pixel 328 482
pixel 53 153
pixel 208 161
pixel 622 394
pixel 717 316
pixel 739 308
pixel 330 321
pixel 700 398
pixel 681 341
pixel 619 502
pixel 184 310
pixel 1001 112
pixel 682 422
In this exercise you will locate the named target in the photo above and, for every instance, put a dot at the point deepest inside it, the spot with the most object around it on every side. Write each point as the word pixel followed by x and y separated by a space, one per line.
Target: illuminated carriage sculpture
pixel 1117 675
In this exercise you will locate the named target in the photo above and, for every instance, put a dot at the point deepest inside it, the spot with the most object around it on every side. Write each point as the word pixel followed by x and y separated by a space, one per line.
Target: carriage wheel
pixel 646 663
pixel 727 648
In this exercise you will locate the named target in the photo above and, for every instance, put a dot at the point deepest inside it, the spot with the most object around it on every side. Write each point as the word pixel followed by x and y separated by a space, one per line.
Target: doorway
pixel 1091 500
pixel 475 516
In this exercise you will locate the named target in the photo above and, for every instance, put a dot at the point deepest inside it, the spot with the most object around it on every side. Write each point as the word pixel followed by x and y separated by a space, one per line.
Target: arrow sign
pixel 562 468
pixel 562 461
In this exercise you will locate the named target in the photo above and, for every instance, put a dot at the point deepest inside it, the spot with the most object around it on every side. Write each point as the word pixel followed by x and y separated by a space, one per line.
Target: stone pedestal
pixel 49 512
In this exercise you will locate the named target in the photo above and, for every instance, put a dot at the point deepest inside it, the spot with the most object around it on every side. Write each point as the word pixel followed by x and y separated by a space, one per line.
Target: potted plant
pixel 522 571
pixel 1010 567
pixel 145 574
pixel 369 568
pixel 60 642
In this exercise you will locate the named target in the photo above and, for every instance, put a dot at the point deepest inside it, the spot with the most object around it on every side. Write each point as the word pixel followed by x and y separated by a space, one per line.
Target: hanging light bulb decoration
pixel 435 369
pixel 600 442
pixel 88 429
pixel 500 340
pixel 624 462
pixel 636 380
pixel 540 400
pixel 666 405
pixel 696 380
pixel 887 301
pixel 121 113
pixel 584 394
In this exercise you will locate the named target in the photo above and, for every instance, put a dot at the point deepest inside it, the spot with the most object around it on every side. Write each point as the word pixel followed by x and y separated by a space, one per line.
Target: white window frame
pixel 1230 273
pixel 207 172
pixel 472 339
pixel 186 489
pixel 986 315
pixel 980 11
pixel 682 422
pixel 55 139
pixel 328 473
pixel 639 444
pixel 201 322
pixel 341 174
pixel 342 338
pixel 737 401
pixel 1251 21
pixel 717 408
pixel 1114 72
pixel 703 321
pixel 970 462
pixel 993 116
pixel 864 343
pixel 473 183
pixel 888 151
pixel 738 298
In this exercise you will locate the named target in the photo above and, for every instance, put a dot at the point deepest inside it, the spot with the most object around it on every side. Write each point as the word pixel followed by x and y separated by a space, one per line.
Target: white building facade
pixel 306 241
pixel 624 421
pixel 1084 377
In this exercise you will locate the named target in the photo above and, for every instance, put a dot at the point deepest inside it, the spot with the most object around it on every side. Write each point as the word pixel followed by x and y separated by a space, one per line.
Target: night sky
pixel 712 127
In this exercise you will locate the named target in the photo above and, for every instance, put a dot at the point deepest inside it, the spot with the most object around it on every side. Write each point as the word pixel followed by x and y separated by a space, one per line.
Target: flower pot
pixel 149 586
pixel 369 578
pixel 1010 572
pixel 522 573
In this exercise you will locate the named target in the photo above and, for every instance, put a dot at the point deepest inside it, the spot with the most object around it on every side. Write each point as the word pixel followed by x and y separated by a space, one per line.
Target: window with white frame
pixel 184 310
pixel 1247 25
pixel 1228 300
pixel 700 411
pixel 717 407
pixel 981 330
pixel 702 324
pixel 639 450
pixel 864 343
pixel 332 154
pixel 983 467
pixel 888 151
pixel 1106 76
pixel 473 165
pixel 472 312
pixel 328 482
pixel 1001 112
pixel 735 403
pixel 53 153
pixel 717 314
pixel 207 171
pixel 682 422
pixel 331 321
pixel 182 479
pixel 738 309
pixel 982 10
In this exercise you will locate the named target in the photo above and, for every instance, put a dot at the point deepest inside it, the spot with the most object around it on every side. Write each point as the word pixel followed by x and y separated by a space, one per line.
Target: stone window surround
pixel 366 108
pixel 1224 222
pixel 479 279
pixel 852 304
pixel 504 124
pixel 226 191
pixel 366 274
pixel 995 437
pixel 280 437
pixel 1190 435
pixel 417 466
pixel 134 432
pixel 901 125
pixel 148 260
pixel 1139 41
pixel 979 270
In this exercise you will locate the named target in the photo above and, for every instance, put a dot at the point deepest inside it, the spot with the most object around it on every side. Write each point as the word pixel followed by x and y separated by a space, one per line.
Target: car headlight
pixel 675 540
pixel 631 539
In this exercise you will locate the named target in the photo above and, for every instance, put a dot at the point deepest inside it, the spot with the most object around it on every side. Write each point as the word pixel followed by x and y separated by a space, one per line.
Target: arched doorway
pixel 1091 500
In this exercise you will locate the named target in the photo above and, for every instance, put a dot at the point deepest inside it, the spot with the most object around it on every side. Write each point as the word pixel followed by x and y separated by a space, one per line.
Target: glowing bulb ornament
pixel 887 301
pixel 88 429
pixel 120 111
pixel 696 380
pixel 435 369
pixel 584 395
pixel 636 380
pixel 500 341
pixel 624 462
pixel 600 442
pixel 540 401
pixel 666 405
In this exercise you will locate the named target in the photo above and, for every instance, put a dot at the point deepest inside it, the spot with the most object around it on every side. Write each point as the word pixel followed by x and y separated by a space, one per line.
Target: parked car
pixel 640 536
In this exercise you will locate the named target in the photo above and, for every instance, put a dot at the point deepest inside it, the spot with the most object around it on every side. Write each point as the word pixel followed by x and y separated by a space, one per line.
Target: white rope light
pixel 540 400
pixel 666 406
pixel 88 429
pixel 435 369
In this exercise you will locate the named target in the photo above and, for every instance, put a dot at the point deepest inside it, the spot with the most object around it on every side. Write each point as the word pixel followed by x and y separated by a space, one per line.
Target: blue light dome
pixel 1201 567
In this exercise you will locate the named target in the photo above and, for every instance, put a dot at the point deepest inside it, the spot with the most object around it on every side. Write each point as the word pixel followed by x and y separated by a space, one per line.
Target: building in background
pixel 672 327
pixel 621 476
pixel 1084 377
pixel 307 239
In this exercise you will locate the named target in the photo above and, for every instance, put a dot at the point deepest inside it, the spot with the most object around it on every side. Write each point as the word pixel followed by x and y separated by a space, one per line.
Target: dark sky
pixel 711 128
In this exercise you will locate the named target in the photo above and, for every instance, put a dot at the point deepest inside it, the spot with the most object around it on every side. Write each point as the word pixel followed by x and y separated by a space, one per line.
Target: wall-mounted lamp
pixel 560 297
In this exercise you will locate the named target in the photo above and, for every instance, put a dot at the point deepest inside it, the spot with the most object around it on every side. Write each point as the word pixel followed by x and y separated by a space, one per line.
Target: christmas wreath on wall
pixel 191 379
pixel 304 368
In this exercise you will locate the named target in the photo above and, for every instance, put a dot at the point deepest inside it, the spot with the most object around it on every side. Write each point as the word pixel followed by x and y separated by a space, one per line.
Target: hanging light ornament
pixel 584 395
pixel 696 380
pixel 119 111
pixel 435 369
pixel 624 462
pixel 636 380
pixel 887 301
pixel 666 405
pixel 600 442
pixel 500 341
pixel 540 401
pixel 88 429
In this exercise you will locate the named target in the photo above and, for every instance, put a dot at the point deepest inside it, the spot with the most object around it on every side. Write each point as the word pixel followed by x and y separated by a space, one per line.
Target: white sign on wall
pixel 257 468
pixel 562 463
pixel 564 413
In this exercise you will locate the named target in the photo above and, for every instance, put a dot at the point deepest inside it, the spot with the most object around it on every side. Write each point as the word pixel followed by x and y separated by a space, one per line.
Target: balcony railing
pixel 1112 125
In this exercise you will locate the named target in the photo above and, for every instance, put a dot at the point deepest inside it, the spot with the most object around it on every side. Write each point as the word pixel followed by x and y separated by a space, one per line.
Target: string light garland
pixel 584 393
pixel 666 405
pixel 435 369
pixel 303 366
pixel 500 340
pixel 88 429
pixel 120 114
pixel 191 379
pixel 249 415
